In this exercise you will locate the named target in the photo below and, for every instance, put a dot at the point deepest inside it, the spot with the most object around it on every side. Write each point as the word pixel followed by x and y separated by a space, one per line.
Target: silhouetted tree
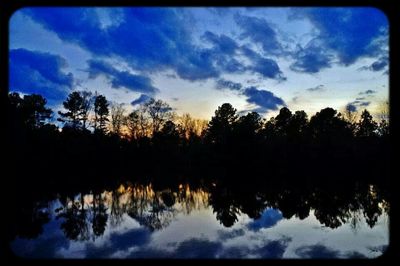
pixel 282 121
pixel 31 109
pixel 87 100
pixel 246 133
pixel 366 127
pixel 74 104
pixel 328 125
pixel 221 125
pixel 132 122
pixel 100 215
pixel 100 113
pixel 297 125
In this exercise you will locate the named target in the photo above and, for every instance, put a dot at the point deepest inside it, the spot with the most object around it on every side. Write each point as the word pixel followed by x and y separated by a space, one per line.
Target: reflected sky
pixel 143 223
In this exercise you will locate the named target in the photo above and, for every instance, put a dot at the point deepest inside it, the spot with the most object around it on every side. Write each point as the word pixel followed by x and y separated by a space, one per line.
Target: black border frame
pixel 392 12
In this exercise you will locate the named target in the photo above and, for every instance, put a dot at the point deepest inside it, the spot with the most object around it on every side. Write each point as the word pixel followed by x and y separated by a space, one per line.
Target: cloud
pixel 349 33
pixel 268 68
pixel 311 59
pixel 269 218
pixel 364 103
pixel 355 255
pixel 222 42
pixel 235 252
pixel 259 31
pixel 223 52
pixel 143 98
pixel 378 65
pixel 317 88
pixel 225 235
pixel 198 248
pixel 317 251
pixel 266 100
pixel 369 92
pixel 149 39
pixel 227 84
pixel 118 242
pixel 134 237
pixel 274 249
pixel 119 78
pixel 40 73
pixel 198 65
pixel 355 105
pixel 351 107
pixel 46 245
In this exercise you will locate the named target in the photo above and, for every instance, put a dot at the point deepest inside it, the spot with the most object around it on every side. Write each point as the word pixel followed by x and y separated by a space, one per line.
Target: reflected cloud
pixel 317 251
pixel 269 218
pixel 135 221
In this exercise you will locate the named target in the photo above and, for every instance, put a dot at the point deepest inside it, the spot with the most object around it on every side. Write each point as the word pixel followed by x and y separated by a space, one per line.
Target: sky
pixel 258 59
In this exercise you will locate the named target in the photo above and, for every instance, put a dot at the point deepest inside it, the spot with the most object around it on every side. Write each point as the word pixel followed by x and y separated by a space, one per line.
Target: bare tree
pixel 383 111
pixel 159 112
pixel 190 126
pixel 187 125
pixel 117 118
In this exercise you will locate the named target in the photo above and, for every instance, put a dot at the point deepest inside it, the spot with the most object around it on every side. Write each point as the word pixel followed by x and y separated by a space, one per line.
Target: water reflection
pixel 207 221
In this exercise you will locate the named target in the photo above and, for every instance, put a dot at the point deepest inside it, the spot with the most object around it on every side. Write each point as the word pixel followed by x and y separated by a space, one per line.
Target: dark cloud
pixel 222 53
pixel 119 78
pixel 227 84
pixel 378 65
pixel 365 103
pixel 221 42
pixel 266 100
pixel 40 73
pixel 150 39
pixel 235 252
pixel 150 253
pixel 118 242
pixel 198 248
pixel 355 105
pixel 317 251
pixel 143 98
pixel 367 92
pixel 269 218
pixel 47 245
pixel 274 249
pixel 347 32
pixel 196 66
pixel 134 237
pixel 224 235
pixel 311 59
pixel 259 31
pixel 351 107
pixel 268 68
pixel 355 255
pixel 317 88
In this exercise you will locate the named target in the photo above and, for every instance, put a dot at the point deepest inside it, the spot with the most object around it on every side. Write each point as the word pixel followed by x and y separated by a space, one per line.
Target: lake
pixel 138 220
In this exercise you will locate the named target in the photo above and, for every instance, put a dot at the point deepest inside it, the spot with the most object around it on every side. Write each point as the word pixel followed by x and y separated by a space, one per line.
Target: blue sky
pixel 257 59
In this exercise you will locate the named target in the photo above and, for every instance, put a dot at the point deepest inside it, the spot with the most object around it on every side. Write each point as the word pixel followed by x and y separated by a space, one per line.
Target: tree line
pixel 84 110
pixel 99 137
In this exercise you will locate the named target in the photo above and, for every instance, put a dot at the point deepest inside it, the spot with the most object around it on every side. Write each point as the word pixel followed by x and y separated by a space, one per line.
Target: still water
pixel 139 221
